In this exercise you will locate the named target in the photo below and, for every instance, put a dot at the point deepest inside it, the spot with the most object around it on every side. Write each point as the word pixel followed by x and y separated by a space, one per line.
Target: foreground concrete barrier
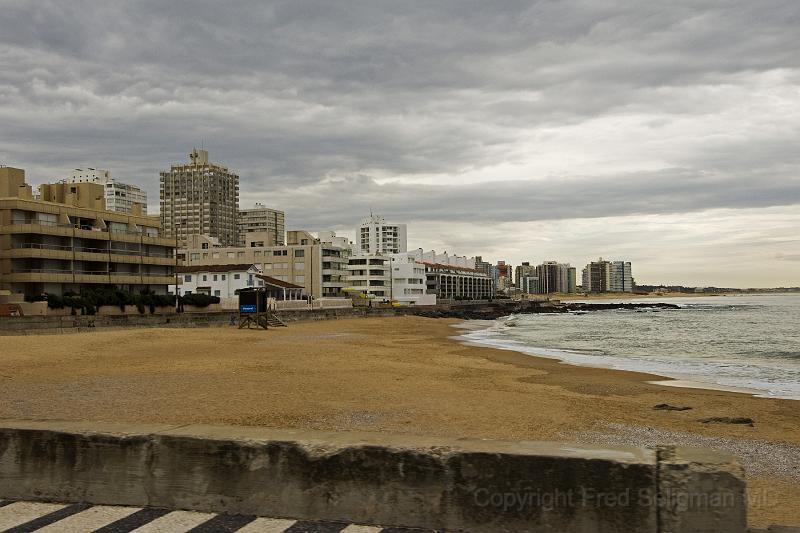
pixel 457 485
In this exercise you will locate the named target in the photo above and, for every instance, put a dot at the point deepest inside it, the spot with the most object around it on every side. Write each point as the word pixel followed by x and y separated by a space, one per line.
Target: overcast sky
pixel 664 133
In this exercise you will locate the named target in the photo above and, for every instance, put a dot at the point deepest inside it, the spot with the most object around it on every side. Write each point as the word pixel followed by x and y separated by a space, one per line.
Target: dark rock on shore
pixel 728 420
pixel 494 310
pixel 668 407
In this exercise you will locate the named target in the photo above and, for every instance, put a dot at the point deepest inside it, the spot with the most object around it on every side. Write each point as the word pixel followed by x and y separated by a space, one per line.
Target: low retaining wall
pixel 477 486
pixel 38 325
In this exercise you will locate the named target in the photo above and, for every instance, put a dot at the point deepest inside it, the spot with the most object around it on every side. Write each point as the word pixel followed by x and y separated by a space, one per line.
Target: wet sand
pixel 403 375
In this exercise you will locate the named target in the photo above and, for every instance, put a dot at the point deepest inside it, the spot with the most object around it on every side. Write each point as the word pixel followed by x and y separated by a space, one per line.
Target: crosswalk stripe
pixel 361 529
pixel 16 513
pixel 89 520
pixel 223 523
pixel 267 525
pixel 47 519
pixel 316 527
pixel 175 522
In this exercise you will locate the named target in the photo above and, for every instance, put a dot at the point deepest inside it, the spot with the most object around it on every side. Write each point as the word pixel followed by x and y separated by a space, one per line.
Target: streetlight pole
pixel 177 306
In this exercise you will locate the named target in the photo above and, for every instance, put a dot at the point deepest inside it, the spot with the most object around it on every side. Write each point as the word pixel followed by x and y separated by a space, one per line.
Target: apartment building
pixel 444 258
pixel 67 241
pixel 262 219
pixel 502 275
pixel 368 276
pixel 200 198
pixel 409 282
pixel 120 197
pixel 376 236
pixel 451 282
pixel 304 260
pixel 549 277
pixel 524 270
pixel 336 252
pixel 607 276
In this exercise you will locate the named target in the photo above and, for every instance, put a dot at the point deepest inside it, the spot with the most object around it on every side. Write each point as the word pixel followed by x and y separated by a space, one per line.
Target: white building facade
pixel 409 286
pixel 217 280
pixel 376 236
pixel 120 197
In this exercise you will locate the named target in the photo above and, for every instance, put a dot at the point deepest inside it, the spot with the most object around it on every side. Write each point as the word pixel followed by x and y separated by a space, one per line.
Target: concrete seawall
pixel 476 486
pixel 41 325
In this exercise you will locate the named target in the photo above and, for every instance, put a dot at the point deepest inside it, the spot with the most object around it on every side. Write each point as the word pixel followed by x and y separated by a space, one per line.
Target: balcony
pixel 38 251
pixel 39 228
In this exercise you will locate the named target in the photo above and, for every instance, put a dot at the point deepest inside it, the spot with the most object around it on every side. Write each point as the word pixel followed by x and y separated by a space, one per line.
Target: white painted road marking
pixel 267 525
pixel 19 513
pixel 25 517
pixel 90 519
pixel 175 522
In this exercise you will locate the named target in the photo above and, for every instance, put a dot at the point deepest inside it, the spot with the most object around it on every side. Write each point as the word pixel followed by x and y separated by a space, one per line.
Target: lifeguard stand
pixel 253 309
pixel 257 309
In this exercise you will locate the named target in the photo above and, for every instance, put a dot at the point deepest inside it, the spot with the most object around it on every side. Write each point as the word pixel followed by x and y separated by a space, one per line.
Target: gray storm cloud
pixel 428 111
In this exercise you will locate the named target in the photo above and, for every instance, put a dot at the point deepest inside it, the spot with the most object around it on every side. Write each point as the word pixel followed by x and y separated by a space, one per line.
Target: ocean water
pixel 747 342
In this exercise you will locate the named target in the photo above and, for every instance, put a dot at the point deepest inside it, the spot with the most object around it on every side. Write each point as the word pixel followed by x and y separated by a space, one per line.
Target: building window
pixel 237 276
pixel 195 257
pixel 205 278
pixel 240 254
pixel 300 279
pixel 215 277
pixel 231 255
pixel 223 277
pixel 216 293
pixel 299 266
pixel 187 278
pixel 299 253
pixel 215 255
pixel 204 246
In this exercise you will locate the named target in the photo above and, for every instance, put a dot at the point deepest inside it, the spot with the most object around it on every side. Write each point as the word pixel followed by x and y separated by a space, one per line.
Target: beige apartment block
pixel 262 219
pixel 200 198
pixel 319 267
pixel 70 241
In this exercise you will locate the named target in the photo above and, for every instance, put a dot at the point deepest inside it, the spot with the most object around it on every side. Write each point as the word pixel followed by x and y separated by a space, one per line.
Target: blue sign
pixel 247 308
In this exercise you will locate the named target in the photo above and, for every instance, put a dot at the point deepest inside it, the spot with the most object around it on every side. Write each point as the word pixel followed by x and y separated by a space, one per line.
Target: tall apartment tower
pixel 376 236
pixel 608 276
pixel 120 197
pixel 262 219
pixel 200 198
pixel 550 277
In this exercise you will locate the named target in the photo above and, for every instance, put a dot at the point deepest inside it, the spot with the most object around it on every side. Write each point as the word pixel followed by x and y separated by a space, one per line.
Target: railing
pixel 57 271
pixel 85 227
pixel 39 246
pixel 91 250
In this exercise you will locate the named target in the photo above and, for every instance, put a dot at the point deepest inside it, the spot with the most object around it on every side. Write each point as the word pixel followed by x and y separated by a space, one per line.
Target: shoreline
pixel 397 375
pixel 677 381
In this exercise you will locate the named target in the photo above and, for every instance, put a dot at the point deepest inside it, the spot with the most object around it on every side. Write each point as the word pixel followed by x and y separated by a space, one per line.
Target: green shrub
pixel 200 300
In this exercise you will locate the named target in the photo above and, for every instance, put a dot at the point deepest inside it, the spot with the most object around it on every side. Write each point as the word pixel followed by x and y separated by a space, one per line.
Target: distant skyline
pixel 666 134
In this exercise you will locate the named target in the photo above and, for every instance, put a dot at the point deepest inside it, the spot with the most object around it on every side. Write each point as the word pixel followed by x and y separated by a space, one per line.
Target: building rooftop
pixel 278 283
pixel 215 268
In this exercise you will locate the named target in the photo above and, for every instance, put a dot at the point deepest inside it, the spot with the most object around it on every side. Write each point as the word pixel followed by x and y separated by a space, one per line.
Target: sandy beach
pixel 404 375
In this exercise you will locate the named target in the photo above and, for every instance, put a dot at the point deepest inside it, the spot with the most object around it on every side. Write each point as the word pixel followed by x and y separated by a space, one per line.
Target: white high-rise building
pixel 376 236
pixel 120 197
